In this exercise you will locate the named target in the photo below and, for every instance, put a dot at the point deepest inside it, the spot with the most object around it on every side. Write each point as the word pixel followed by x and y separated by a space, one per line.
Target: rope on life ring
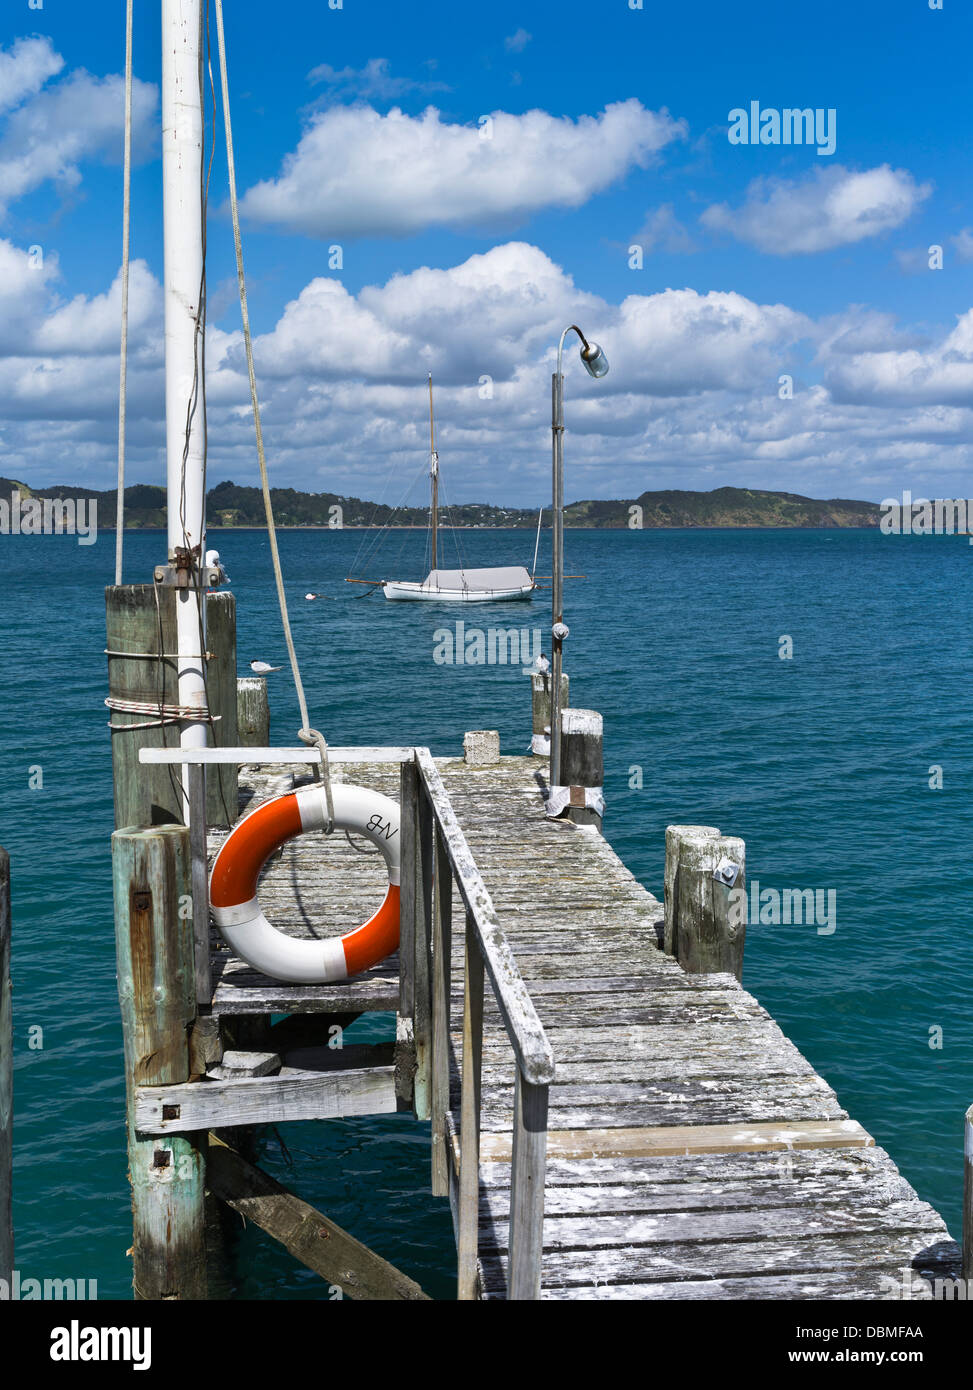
pixel 236 871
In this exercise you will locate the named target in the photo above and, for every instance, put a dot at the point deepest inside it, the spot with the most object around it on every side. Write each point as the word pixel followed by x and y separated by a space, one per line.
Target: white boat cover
pixel 504 577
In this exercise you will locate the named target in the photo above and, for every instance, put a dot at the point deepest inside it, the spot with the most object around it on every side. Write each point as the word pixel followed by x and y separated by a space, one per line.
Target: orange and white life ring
pixel 233 885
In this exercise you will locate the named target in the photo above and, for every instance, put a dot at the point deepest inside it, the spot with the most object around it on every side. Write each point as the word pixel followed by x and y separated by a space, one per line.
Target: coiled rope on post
pixel 306 734
pixel 126 254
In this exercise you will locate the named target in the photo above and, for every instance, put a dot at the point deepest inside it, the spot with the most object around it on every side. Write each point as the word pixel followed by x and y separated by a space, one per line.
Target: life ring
pixel 233 885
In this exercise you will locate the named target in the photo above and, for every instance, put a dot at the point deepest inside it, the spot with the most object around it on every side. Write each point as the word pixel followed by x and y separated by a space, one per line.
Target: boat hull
pixel 403 592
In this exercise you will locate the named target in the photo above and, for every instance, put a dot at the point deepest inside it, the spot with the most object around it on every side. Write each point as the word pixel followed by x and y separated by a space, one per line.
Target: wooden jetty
pixel 691 1151
pixel 612 1115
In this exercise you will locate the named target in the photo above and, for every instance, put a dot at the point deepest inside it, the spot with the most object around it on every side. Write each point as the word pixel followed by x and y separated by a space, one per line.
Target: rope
pixel 126 255
pixel 168 714
pixel 306 734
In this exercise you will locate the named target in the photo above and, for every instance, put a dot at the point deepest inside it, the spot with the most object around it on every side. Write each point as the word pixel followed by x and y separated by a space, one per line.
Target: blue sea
pixel 822 761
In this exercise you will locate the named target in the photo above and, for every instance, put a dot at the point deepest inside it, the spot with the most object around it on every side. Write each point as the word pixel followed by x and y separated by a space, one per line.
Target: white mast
pixel 182 167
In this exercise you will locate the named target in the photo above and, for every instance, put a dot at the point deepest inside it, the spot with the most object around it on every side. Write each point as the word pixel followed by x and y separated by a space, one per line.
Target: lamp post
pixel 596 365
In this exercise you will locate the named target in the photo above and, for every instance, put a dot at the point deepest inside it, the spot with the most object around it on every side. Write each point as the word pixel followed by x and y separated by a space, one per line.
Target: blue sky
pixel 360 127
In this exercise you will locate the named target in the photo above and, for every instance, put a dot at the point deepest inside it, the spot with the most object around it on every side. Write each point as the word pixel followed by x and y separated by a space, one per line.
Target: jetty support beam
pixel 309 1236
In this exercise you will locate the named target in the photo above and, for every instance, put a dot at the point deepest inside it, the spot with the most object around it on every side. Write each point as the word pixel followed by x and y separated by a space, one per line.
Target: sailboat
pixel 498 585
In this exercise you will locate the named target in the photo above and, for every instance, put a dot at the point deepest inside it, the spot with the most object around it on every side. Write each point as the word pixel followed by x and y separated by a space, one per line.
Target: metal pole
pixel 434 475
pixel 557 568
pixel 182 170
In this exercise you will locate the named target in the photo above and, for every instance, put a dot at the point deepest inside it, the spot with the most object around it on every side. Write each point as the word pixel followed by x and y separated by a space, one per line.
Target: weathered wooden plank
pixel 311 1237
pixel 301 1095
pixel 702 1198
pixel 241 990
pixel 602 1231
pixel 870 1284
pixel 687 1139
pixel 714 1171
pixel 927 1250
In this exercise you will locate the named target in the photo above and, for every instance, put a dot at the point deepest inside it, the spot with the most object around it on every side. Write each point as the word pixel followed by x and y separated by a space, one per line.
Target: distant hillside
pixel 726 506
pixel 231 506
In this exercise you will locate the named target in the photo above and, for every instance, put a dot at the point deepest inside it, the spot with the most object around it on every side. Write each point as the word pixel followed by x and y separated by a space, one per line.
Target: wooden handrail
pixel 525 1030
pixel 435 853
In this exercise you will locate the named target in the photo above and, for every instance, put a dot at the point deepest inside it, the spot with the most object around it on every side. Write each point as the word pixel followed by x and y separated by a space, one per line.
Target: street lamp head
pixel 594 359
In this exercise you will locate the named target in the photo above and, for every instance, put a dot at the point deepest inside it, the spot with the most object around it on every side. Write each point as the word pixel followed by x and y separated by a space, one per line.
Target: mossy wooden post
pixel 968 1198
pixel 674 834
pixel 253 712
pixel 6 1079
pixel 221 684
pixel 141 628
pixel 582 762
pixel 540 707
pixel 156 987
pixel 711 904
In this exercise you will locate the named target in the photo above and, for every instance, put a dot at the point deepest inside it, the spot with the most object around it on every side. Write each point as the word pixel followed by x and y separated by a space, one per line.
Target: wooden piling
pixel 253 712
pixel 6 1079
pixel 582 761
pixel 968 1199
pixel 540 702
pixel 674 834
pixel 221 685
pixel 156 987
pixel 141 629
pixel 710 927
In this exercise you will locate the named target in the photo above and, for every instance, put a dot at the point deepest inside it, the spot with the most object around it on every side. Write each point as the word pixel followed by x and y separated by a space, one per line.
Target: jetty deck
pixel 692 1151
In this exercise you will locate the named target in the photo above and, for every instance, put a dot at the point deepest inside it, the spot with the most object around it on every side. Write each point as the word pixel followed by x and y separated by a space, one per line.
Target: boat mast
pixel 434 476
pixel 182 164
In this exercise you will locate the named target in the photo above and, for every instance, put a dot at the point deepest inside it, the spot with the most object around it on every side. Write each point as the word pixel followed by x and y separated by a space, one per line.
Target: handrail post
pixel 408 819
pixel 468 1217
pixel 422 870
pixel 442 945
pixel 527 1172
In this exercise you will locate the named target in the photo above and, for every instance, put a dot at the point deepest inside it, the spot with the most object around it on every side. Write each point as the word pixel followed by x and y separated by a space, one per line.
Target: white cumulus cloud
pixel 830 207
pixel 357 172
pixel 51 130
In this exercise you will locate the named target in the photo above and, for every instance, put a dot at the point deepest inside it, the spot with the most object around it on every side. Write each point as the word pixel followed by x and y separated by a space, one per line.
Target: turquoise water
pixel 820 762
